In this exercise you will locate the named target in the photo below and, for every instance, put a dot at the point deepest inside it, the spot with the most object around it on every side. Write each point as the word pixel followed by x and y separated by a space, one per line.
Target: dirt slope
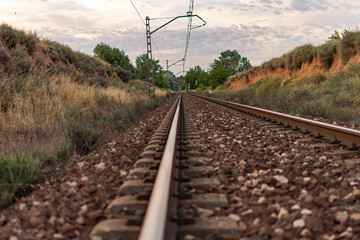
pixel 307 69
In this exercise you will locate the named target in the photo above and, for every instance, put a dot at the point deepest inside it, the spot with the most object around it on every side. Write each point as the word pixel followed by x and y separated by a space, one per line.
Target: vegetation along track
pixel 240 176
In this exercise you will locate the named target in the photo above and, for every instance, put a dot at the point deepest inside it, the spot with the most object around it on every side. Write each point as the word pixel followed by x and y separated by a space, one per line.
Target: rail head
pixel 347 136
pixel 155 220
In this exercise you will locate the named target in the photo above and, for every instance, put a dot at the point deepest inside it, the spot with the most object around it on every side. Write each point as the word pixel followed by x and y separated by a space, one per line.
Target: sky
pixel 258 29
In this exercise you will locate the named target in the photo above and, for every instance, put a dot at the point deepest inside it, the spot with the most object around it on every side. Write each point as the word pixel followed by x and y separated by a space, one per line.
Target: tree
pixel 142 70
pixel 170 80
pixel 196 77
pixel 231 61
pixel 116 58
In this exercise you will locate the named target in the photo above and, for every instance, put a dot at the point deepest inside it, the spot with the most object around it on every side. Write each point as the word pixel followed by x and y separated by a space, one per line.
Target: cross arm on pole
pixel 185 16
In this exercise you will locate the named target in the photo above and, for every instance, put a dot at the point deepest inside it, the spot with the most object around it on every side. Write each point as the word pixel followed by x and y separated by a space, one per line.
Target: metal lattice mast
pixel 149 56
pixel 189 13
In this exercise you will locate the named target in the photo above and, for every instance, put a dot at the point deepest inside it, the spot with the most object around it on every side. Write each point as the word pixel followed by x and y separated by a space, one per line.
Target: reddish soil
pixel 307 69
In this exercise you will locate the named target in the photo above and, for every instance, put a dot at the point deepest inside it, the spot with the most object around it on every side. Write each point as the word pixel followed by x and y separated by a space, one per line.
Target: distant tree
pixel 196 77
pixel 115 57
pixel 218 76
pixel 232 61
pixel 170 79
pixel 142 70
pixel 229 63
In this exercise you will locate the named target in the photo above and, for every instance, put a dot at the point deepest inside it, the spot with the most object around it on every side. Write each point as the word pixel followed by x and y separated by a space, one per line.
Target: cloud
pixel 258 29
pixel 307 5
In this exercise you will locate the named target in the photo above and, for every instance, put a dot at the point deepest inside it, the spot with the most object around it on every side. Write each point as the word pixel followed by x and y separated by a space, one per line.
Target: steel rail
pixel 156 217
pixel 336 134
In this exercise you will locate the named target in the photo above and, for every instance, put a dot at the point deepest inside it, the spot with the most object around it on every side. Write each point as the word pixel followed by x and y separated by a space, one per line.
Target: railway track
pixel 171 167
pixel 181 202
pixel 233 176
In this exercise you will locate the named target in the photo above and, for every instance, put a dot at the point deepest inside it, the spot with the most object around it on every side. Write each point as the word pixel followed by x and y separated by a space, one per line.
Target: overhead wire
pixel 188 33
pixel 152 39
pixel 137 12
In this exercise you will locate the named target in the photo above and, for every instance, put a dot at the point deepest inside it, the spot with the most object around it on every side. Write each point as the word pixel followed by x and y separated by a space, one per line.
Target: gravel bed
pixel 72 202
pixel 279 183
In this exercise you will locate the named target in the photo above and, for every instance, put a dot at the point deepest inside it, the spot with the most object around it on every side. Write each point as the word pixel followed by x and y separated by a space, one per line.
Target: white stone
pixel 256 221
pixel 81 164
pixel 234 217
pixel 299 223
pixel 341 216
pixel 283 212
pixel 266 188
pixel 72 184
pixel 261 200
pixel 355 216
pixel 306 211
pixel 84 179
pixel 22 206
pixel 100 166
pixel 281 179
pixel 204 213
pixel 84 208
pixel 306 179
pixel 295 207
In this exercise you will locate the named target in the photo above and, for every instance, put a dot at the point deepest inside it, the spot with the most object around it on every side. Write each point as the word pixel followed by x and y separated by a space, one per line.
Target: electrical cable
pixel 138 12
pixel 145 24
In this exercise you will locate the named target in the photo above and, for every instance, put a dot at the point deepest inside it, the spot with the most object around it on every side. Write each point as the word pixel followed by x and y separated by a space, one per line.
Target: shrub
pixel 326 53
pixel 17 171
pixel 8 36
pixel 83 134
pixel 60 52
pixel 289 59
pixel 28 40
pixel 316 109
pixel 102 99
pixel 278 62
pixel 5 58
pixel 102 82
pixel 303 54
pixel 349 45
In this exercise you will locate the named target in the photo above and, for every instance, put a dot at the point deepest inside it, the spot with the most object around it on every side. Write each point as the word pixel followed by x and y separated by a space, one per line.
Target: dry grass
pixel 160 92
pixel 45 104
pixel 55 102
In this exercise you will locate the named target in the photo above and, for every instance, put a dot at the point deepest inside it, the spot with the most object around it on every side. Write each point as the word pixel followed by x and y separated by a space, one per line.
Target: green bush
pixel 60 52
pixel 17 171
pixel 349 45
pixel 303 54
pixel 316 109
pixel 326 54
pixel 268 84
pixel 12 38
pixel 83 134
pixel 8 36
pixel 278 62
